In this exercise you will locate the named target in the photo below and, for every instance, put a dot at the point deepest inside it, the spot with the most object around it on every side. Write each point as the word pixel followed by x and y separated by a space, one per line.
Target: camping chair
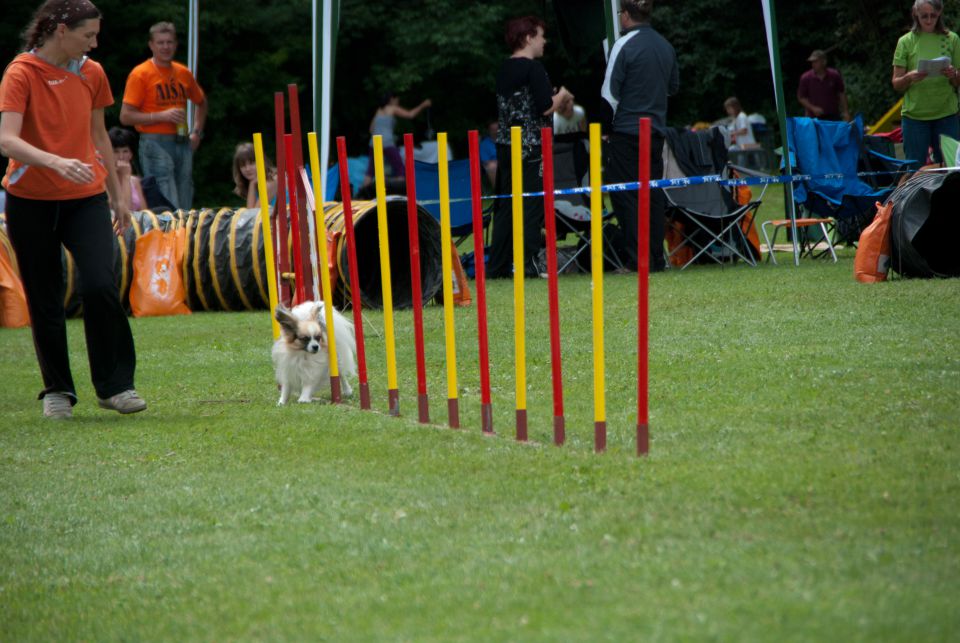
pixel 573 213
pixel 832 147
pixel 705 223
pixel 878 154
pixel 461 210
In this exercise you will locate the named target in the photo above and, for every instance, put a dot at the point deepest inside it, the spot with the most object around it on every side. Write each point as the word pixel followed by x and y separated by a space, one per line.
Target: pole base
pixel 423 408
pixel 643 439
pixel 365 396
pixel 453 412
pixel 521 425
pixel 335 396
pixel 393 400
pixel 559 430
pixel 486 418
pixel 600 436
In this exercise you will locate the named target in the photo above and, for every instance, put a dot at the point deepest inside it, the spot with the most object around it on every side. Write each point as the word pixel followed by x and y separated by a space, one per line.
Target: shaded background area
pixel 449 50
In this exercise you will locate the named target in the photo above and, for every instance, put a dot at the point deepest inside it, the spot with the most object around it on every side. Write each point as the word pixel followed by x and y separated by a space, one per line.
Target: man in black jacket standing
pixel 641 73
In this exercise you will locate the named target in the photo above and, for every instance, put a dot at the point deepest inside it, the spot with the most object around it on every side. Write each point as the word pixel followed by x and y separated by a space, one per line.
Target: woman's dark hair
pixel 56 12
pixel 385 99
pixel 937 5
pixel 122 137
pixel 638 10
pixel 519 28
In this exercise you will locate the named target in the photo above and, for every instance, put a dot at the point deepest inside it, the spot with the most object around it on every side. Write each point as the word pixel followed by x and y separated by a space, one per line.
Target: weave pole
pixel 413 232
pixel 643 292
pixel 550 223
pixel 308 250
pixel 520 347
pixel 267 234
pixel 354 275
pixel 486 409
pixel 281 241
pixel 294 219
pixel 596 269
pixel 321 232
pixel 446 250
pixel 393 393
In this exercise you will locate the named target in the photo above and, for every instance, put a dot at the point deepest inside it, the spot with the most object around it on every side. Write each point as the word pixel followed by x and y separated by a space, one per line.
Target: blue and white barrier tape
pixel 667 184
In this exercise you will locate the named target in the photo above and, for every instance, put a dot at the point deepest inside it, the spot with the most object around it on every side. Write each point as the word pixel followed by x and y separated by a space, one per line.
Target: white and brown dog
pixel 300 357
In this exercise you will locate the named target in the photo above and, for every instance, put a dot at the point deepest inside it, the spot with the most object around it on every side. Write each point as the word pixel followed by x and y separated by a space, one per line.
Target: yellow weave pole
pixel 446 245
pixel 520 344
pixel 596 269
pixel 267 233
pixel 393 394
pixel 321 230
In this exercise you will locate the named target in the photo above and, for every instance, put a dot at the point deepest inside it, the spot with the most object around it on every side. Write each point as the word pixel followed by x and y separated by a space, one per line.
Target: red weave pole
pixel 643 292
pixel 303 215
pixel 550 223
pixel 281 242
pixel 413 232
pixel 294 219
pixel 354 276
pixel 486 408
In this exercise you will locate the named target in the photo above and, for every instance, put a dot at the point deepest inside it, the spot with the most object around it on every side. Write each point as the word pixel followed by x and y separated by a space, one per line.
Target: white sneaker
pixel 57 406
pixel 126 402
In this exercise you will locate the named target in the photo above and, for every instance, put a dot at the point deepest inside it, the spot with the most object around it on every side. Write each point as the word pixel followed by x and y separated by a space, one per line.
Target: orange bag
pixel 13 301
pixel 872 261
pixel 157 287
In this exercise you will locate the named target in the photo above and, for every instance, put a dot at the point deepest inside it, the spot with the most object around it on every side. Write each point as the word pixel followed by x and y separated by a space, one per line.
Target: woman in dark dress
pixel 525 99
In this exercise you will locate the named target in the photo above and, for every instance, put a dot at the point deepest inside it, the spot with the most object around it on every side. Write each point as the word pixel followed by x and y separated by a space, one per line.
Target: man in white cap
pixel 821 91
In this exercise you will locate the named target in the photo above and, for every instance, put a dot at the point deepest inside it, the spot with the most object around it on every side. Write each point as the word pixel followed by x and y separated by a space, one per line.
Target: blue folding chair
pixel 833 147
pixel 461 210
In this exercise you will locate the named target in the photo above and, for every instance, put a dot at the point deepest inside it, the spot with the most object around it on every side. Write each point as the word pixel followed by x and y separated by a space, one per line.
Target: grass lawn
pixel 802 483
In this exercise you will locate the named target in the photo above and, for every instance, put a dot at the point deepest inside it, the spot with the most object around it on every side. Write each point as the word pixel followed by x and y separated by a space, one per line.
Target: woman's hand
pixel 916 76
pixel 124 170
pixel 952 74
pixel 121 218
pixel 73 170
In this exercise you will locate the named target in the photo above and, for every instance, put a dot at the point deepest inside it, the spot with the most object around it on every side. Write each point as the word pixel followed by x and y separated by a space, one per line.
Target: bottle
pixel 181 132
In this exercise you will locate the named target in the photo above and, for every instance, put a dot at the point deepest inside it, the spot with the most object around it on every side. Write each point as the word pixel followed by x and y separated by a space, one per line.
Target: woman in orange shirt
pixel 61 160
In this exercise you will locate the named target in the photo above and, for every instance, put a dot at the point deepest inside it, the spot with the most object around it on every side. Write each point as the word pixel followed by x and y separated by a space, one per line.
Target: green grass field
pixel 802 483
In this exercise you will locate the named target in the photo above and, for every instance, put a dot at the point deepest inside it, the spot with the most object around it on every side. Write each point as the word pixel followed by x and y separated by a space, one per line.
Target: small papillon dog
pixel 300 356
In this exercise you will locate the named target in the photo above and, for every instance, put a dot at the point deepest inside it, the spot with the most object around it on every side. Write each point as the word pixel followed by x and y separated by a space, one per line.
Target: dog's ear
pixel 287 321
pixel 315 312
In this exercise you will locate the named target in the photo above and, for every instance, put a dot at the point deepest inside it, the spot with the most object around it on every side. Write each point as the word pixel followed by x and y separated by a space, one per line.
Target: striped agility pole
pixel 267 234
pixel 294 209
pixel 643 292
pixel 486 408
pixel 413 233
pixel 393 393
pixel 550 223
pixel 596 268
pixel 321 232
pixel 347 209
pixel 446 245
pixel 520 346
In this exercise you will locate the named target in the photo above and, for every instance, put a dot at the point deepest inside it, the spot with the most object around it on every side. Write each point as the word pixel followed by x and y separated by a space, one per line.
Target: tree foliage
pixel 449 50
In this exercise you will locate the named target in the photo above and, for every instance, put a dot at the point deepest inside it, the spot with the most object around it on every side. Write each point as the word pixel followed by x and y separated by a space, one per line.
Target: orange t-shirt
pixel 153 89
pixel 57 106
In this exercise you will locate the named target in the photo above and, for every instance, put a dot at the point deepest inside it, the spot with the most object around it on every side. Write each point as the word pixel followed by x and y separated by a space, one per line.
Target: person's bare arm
pixel 199 122
pixel 844 108
pixel 558 99
pixel 411 113
pixel 14 147
pixel 903 79
pixel 131 116
pixel 101 140
pixel 810 107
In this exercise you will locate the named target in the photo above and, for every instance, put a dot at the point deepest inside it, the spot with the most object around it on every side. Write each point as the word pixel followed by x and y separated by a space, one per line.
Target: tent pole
pixel 773 47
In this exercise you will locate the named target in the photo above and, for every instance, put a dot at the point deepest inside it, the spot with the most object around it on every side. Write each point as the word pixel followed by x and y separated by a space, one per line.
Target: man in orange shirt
pixel 155 102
